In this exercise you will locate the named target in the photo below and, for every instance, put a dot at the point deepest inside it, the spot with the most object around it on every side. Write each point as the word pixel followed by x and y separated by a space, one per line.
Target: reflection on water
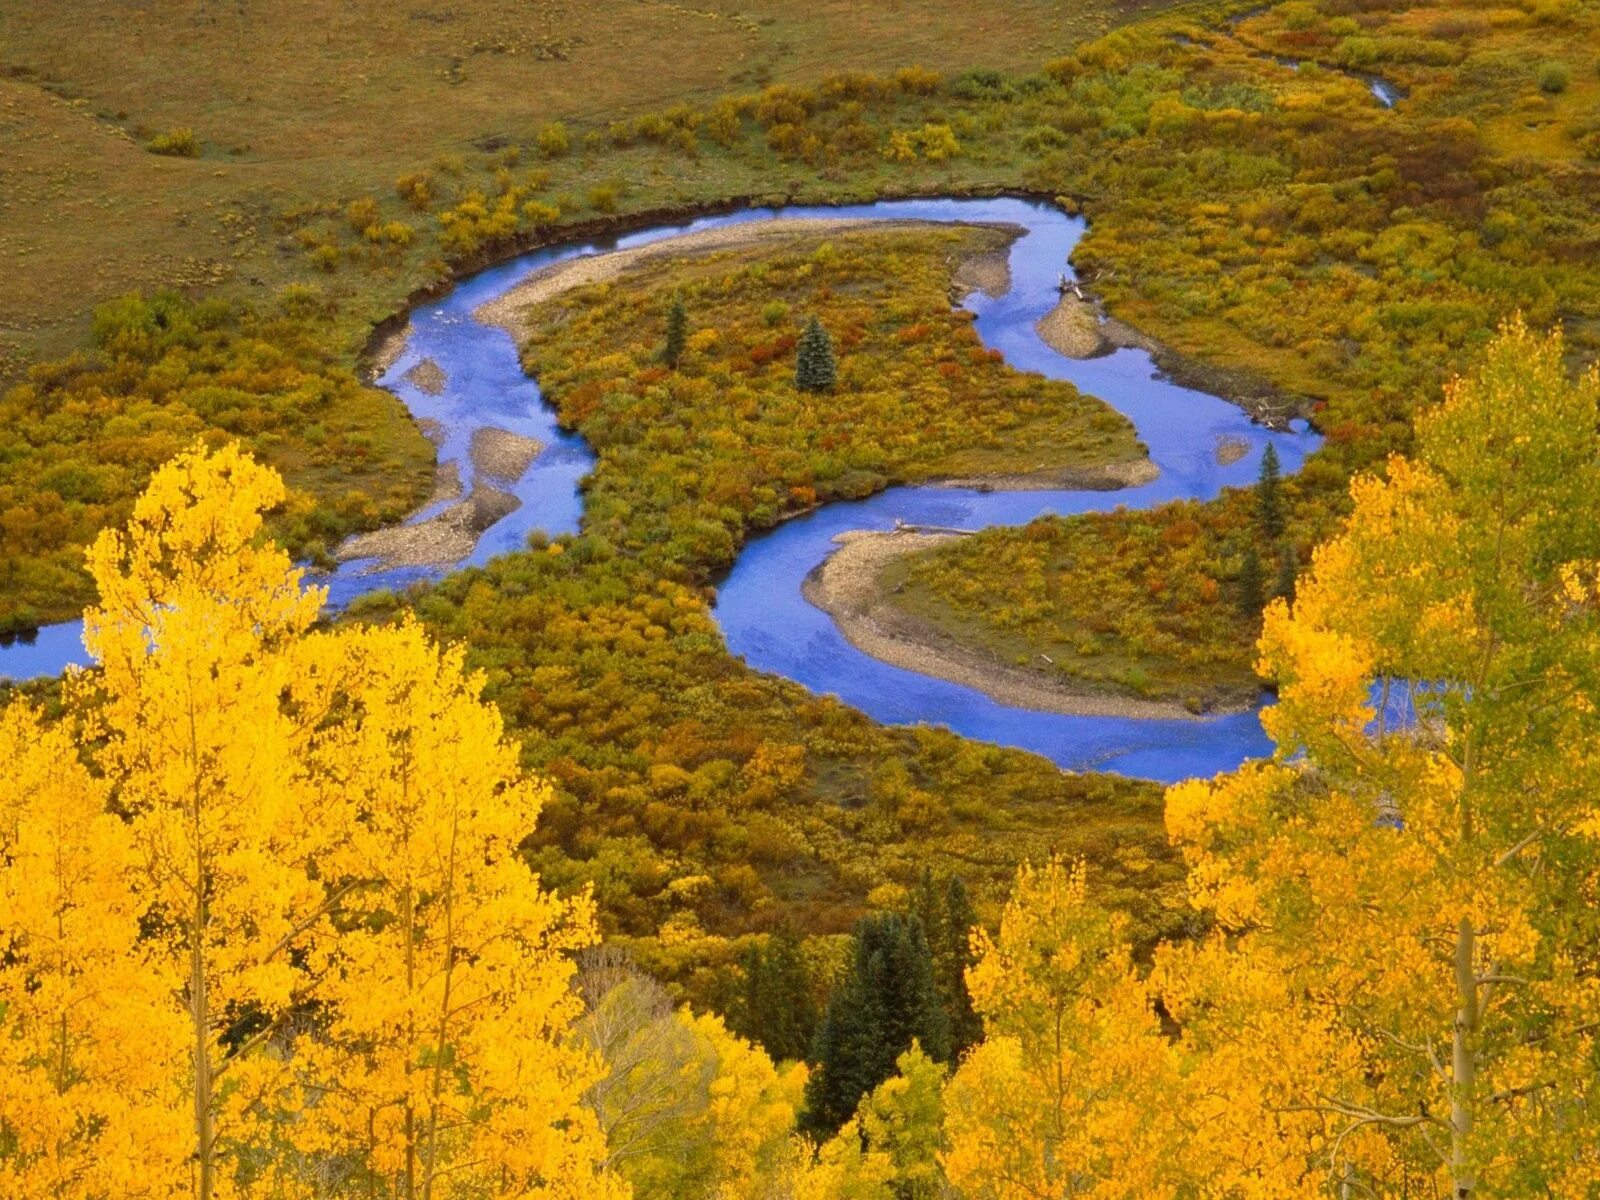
pixel 760 608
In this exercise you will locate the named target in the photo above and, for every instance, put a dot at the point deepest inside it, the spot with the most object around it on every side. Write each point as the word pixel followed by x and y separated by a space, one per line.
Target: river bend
pixel 759 606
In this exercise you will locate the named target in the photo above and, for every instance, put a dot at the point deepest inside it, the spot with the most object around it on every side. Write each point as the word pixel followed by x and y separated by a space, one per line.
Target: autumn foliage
pixel 266 927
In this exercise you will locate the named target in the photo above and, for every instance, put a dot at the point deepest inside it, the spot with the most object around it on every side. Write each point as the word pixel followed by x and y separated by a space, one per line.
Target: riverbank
pixel 848 587
pixel 1106 477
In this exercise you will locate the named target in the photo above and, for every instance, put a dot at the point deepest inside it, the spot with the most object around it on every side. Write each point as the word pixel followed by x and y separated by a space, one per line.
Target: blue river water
pixel 759 606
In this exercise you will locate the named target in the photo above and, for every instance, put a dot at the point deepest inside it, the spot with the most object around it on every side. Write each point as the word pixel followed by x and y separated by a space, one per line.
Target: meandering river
pixel 759 605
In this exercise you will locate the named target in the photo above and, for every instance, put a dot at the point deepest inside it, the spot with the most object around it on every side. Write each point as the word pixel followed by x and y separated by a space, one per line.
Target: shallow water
pixel 759 606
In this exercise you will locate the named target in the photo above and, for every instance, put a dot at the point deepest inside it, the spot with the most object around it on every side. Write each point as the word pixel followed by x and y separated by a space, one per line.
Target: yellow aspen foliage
pixel 1069 1092
pixel 274 937
pixel 890 1150
pixel 1401 996
pixel 443 1066
pixel 91 1052
pixel 690 1110
pixel 842 1168
pixel 186 721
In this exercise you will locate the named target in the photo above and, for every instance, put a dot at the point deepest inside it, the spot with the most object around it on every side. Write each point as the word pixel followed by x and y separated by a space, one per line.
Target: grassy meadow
pixel 304 104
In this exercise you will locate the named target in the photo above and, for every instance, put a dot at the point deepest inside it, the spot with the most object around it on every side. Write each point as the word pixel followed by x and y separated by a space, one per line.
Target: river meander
pixel 759 606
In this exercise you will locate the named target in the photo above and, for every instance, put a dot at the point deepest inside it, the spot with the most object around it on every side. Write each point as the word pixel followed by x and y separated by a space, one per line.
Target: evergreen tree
pixel 814 367
pixel 887 1001
pixel 1287 566
pixel 1251 581
pixel 1269 495
pixel 948 918
pixel 677 332
pixel 775 1007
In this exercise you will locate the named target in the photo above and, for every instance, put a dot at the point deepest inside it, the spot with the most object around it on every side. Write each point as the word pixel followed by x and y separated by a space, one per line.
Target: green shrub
pixel 603 197
pixel 1554 77
pixel 175 143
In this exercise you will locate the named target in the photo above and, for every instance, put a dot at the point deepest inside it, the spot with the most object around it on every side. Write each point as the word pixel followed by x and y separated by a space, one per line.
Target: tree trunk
pixel 200 1019
pixel 1463 1065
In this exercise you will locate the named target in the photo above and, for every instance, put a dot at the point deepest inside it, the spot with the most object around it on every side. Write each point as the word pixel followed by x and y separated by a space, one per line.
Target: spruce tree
pixel 947 918
pixel 885 1002
pixel 1288 565
pixel 1269 495
pixel 677 332
pixel 1251 582
pixel 774 1006
pixel 814 366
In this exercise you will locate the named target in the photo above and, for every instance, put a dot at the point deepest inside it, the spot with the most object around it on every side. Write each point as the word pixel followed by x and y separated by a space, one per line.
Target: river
pixel 759 605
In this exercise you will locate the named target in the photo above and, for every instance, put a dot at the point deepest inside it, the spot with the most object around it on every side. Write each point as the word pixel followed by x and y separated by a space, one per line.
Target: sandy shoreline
pixel 1076 328
pixel 1108 477
pixel 427 376
pixel 501 455
pixel 447 537
pixel 562 277
pixel 846 587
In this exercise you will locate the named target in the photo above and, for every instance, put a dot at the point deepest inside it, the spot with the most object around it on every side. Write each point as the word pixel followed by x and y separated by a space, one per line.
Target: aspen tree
pixel 1417 868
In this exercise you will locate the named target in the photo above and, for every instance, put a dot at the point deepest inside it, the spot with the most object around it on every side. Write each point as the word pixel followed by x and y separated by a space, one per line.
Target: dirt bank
pixel 847 587
pixel 599 268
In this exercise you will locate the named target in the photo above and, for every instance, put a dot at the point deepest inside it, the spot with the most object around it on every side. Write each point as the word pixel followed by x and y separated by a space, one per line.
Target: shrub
pixel 900 147
pixel 981 84
pixel 603 197
pixel 1554 77
pixel 362 214
pixel 416 190
pixel 917 81
pixel 395 233
pixel 175 143
pixel 937 142
pixel 781 104
pixel 539 214
pixel 722 123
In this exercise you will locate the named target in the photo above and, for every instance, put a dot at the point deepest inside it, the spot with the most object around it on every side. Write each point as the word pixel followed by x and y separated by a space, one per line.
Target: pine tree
pixel 775 1007
pixel 677 332
pixel 814 368
pixel 887 1001
pixel 1251 582
pixel 1288 564
pixel 1269 495
pixel 948 919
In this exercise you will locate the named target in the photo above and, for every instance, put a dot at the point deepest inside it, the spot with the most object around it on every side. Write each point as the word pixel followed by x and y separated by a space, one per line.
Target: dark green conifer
pixel 1251 581
pixel 814 366
pixel 677 332
pixel 775 1007
pixel 1269 495
pixel 1288 565
pixel 885 1001
pixel 948 917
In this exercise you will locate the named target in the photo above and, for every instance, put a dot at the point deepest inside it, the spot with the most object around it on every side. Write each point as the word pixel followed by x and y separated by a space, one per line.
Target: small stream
pixel 759 606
